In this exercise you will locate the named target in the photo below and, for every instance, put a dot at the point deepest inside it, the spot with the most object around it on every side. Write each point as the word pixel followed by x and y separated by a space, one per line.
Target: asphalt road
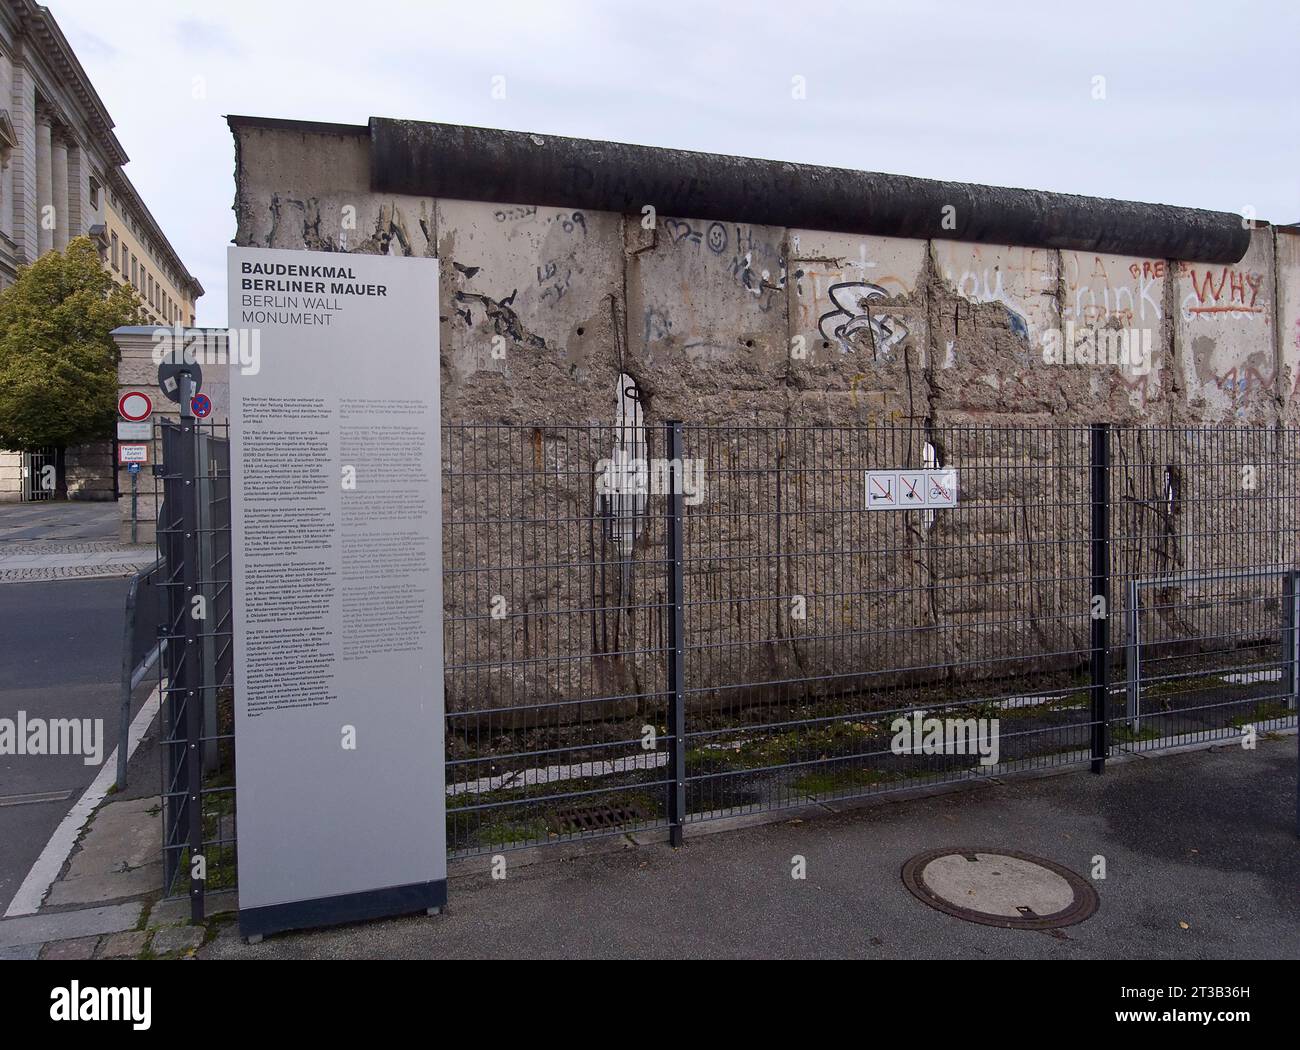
pixel 1202 862
pixel 56 520
pixel 60 657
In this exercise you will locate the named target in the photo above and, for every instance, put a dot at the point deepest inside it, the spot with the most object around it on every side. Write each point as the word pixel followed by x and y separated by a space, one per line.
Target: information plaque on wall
pixel 337 574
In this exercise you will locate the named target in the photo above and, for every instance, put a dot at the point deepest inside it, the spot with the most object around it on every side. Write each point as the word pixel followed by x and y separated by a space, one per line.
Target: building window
pixel 135 272
pixel 115 251
pixel 94 194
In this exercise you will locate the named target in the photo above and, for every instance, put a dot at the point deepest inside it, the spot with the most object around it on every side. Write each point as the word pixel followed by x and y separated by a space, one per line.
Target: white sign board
pixel 134 431
pixel 882 490
pixel 133 453
pixel 911 489
pixel 337 556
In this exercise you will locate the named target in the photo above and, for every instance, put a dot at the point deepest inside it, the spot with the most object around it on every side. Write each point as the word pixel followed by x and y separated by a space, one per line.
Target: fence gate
pixel 40 474
pixel 1205 555
pixel 1176 688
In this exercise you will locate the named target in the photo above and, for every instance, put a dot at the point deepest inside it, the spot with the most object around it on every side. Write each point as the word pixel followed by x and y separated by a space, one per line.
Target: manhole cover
pixel 1000 888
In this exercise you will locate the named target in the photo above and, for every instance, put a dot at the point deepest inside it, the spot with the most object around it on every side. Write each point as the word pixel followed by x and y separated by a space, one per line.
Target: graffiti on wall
pixel 1222 290
pixel 757 265
pixel 852 315
pixel 1021 280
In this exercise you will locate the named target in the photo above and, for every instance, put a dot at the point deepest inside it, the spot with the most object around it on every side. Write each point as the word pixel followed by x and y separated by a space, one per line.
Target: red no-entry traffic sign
pixel 135 407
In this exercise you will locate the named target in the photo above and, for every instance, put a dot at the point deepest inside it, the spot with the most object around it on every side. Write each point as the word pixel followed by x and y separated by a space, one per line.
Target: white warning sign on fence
pixel 882 490
pixel 911 489
pixel 942 491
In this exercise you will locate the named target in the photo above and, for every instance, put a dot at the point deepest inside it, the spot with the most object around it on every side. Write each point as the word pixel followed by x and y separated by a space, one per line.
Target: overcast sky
pixel 1201 107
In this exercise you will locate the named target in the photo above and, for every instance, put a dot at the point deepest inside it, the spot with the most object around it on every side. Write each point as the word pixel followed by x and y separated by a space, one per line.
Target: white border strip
pixel 27 900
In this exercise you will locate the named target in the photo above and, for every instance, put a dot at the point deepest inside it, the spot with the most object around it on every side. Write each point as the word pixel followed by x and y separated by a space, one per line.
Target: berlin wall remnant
pixel 705 314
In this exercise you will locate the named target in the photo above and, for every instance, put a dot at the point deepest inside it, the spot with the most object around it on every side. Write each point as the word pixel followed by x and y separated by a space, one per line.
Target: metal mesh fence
pixel 1205 548
pixel 554 595
pixel 650 625
pixel 813 624
pixel 192 493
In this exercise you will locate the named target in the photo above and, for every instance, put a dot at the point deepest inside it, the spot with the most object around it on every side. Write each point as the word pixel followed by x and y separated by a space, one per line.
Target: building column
pixel 6 160
pixel 80 215
pixel 59 190
pixel 44 184
pixel 7 192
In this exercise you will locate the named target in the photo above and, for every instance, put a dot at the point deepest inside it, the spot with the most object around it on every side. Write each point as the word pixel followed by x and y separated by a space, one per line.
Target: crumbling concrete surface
pixel 774 334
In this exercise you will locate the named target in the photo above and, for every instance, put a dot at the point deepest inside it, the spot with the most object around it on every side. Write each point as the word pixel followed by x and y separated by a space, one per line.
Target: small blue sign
pixel 133 468
pixel 201 406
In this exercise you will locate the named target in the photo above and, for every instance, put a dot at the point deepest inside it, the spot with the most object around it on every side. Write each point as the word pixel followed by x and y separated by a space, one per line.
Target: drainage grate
pixel 578 819
pixel 1004 888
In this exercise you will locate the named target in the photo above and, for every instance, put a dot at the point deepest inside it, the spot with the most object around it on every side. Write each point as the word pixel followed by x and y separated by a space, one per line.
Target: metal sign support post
pixel 135 517
pixel 190 685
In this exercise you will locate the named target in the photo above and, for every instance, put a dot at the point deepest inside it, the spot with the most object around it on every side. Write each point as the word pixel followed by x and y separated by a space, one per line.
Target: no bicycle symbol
pixel 911 489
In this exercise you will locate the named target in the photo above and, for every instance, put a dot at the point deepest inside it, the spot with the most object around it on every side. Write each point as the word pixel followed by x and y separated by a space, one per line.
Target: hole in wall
pixel 930 460
pixel 624 507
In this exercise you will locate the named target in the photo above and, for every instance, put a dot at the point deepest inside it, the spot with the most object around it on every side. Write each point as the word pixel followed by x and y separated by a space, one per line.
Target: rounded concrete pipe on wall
pixel 512 167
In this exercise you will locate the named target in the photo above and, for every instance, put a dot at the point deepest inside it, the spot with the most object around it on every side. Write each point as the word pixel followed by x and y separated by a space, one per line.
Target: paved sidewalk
pixel 60 540
pixel 1201 854
pixel 1200 848
pixel 106 903
pixel 58 520
pixel 29 562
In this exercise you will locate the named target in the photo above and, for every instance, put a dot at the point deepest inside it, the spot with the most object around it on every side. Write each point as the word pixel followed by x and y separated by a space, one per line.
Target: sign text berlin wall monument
pixel 338 588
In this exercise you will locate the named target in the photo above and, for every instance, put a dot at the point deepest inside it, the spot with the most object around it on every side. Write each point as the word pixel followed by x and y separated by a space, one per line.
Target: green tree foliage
pixel 58 362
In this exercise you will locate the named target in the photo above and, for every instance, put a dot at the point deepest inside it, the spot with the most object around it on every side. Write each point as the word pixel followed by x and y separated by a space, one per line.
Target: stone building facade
pixel 61 177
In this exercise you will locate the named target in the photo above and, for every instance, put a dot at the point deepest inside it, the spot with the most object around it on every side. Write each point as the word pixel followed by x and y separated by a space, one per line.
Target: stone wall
pixel 87 468
pixel 89 472
pixel 11 477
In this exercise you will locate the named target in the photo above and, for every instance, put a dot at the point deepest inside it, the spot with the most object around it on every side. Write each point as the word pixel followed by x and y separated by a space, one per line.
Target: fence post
pixel 676 635
pixel 1291 661
pixel 1100 604
pixel 1133 657
pixel 190 662
pixel 1291 635
pixel 127 686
